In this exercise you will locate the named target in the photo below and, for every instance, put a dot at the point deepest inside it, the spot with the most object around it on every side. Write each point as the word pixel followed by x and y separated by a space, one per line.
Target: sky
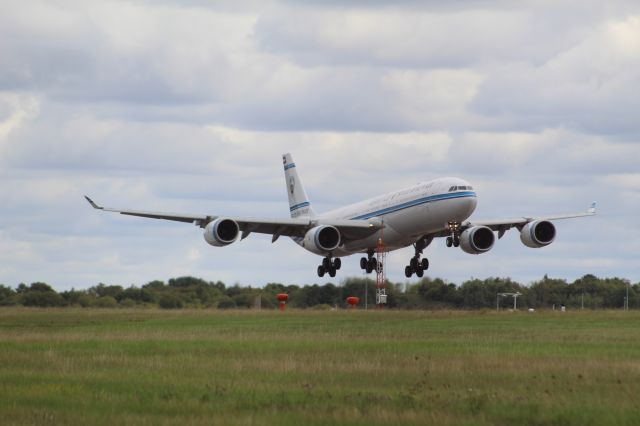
pixel 187 106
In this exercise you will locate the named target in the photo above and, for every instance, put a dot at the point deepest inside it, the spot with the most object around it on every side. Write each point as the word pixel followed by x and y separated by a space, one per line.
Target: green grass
pixel 210 367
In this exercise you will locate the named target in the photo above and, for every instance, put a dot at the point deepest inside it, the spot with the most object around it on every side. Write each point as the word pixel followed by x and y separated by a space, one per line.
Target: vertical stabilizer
pixel 298 201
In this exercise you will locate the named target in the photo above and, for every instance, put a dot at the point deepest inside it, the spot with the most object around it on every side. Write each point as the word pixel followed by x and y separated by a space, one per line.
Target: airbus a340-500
pixel 411 216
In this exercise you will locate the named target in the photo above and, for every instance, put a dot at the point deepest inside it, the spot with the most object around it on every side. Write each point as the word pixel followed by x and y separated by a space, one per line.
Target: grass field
pixel 307 367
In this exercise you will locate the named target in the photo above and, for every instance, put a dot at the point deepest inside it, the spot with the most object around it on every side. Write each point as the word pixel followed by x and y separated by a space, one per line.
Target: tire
pixel 456 243
pixel 326 263
pixel 373 263
pixel 332 272
pixel 321 271
pixel 449 242
pixel 420 273
pixel 425 264
pixel 337 264
pixel 369 269
pixel 363 263
pixel 408 271
pixel 414 263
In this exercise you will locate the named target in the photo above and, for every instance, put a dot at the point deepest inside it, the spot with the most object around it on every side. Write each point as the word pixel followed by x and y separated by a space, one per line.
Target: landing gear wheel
pixel 408 271
pixel 425 264
pixel 449 241
pixel 332 272
pixel 321 271
pixel 326 263
pixel 371 265
pixel 363 263
pixel 414 263
pixel 456 242
pixel 337 264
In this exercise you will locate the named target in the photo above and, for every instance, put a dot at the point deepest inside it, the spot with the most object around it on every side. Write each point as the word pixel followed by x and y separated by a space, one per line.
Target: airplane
pixel 415 216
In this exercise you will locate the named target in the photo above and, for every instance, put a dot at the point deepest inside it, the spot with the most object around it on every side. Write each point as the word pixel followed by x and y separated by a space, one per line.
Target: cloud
pixel 187 106
pixel 587 87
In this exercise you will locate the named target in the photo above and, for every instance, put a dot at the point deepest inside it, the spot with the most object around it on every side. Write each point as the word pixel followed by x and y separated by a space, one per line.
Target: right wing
pixel 288 227
pixel 503 225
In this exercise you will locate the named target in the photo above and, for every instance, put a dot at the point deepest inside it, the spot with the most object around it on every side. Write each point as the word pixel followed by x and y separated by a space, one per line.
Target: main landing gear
pixel 454 238
pixel 416 265
pixel 329 266
pixel 369 263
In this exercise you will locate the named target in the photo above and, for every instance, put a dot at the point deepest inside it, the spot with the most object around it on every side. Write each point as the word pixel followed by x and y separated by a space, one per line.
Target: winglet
pixel 94 205
pixel 592 209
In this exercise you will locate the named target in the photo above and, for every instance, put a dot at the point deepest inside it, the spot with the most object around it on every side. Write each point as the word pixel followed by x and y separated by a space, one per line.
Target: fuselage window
pixel 453 188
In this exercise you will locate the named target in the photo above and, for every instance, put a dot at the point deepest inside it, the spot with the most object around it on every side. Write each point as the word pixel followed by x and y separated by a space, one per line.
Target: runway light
pixel 353 301
pixel 282 298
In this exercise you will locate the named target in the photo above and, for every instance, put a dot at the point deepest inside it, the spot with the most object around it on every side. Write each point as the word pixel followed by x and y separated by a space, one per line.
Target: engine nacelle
pixel 538 233
pixel 322 239
pixel 221 232
pixel 477 240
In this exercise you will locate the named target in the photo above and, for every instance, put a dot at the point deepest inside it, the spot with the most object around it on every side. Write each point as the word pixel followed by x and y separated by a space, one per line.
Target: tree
pixel 106 302
pixel 438 293
pixel 42 299
pixel 549 291
pixel 170 301
pixel 7 296
pixel 226 303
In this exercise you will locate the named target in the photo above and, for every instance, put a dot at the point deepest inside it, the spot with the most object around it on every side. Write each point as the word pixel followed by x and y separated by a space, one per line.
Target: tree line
pixel 589 292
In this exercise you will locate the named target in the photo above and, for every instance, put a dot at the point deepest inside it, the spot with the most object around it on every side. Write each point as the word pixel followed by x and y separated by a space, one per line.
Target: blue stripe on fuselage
pixel 299 206
pixel 289 166
pixel 416 202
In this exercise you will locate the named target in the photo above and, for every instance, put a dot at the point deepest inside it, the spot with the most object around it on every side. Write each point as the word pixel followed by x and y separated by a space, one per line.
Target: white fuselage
pixel 421 209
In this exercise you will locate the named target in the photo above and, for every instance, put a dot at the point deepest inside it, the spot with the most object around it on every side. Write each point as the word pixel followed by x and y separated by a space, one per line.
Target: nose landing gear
pixel 454 238
pixel 329 266
pixel 417 265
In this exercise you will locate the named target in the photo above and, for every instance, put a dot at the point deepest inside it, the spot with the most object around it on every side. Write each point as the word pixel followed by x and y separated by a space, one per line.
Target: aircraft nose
pixel 470 204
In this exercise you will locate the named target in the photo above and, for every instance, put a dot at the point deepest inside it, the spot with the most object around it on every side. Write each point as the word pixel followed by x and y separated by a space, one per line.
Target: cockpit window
pixel 461 188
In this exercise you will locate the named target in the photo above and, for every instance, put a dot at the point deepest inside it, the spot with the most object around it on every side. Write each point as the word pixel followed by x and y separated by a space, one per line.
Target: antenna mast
pixel 381 276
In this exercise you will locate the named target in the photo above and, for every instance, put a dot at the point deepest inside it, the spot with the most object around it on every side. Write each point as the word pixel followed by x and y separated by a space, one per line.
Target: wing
pixel 503 225
pixel 294 227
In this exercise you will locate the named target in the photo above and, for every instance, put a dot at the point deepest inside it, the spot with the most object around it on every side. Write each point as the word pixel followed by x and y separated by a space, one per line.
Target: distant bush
pixel 226 303
pixel 86 301
pixel 42 299
pixel 128 303
pixel 9 301
pixel 169 301
pixel 106 302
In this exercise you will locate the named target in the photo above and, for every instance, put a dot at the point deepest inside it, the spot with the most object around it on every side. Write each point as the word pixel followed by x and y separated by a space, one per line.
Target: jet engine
pixel 322 239
pixel 221 232
pixel 538 233
pixel 477 240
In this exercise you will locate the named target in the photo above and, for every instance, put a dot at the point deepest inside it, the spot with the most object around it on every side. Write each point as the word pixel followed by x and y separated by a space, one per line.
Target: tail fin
pixel 298 201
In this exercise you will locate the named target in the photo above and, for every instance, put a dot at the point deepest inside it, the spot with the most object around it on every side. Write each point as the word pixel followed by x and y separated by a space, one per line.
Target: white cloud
pixel 588 87
pixel 187 107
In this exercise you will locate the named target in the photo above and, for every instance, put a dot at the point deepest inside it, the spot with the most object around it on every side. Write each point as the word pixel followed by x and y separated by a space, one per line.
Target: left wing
pixel 503 225
pixel 289 227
